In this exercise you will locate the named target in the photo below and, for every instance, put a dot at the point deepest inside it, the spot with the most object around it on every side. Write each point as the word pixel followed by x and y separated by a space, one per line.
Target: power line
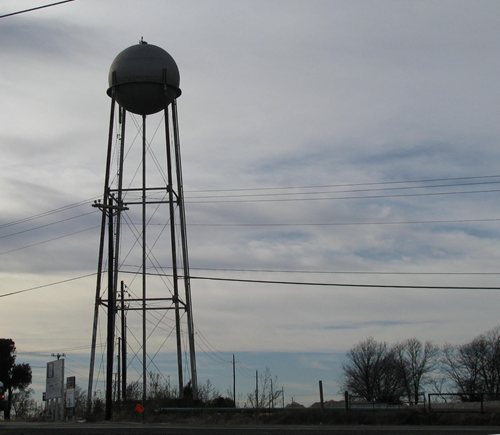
pixel 337 272
pixel 373 183
pixel 3 295
pixel 331 284
pixel 47 213
pixel 300 224
pixel 89 200
pixel 46 225
pixel 378 189
pixel 36 8
pixel 324 272
pixel 406 195
pixel 49 240
pixel 328 284
pixel 260 281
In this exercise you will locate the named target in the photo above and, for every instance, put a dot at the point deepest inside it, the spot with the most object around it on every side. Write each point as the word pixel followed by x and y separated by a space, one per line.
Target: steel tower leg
pixel 124 344
pixel 185 257
pixel 100 259
pixel 110 341
pixel 174 256
pixel 144 336
pixel 111 207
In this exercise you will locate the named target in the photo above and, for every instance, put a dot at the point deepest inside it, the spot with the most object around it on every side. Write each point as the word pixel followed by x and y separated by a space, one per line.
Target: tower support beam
pixel 143 80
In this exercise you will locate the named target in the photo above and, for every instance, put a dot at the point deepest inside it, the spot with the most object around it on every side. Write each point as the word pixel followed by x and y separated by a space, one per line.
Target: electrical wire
pixel 372 183
pixel 331 224
pixel 47 225
pixel 3 295
pixel 49 240
pixel 36 8
pixel 260 281
pixel 379 189
pixel 89 200
pixel 405 195
pixel 49 212
pixel 324 272
pixel 332 284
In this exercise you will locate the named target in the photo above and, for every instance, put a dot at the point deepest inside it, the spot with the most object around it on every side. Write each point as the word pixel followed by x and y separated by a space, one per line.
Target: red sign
pixel 139 408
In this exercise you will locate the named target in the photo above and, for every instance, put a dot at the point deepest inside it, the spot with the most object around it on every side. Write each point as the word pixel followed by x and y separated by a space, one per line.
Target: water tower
pixel 142 198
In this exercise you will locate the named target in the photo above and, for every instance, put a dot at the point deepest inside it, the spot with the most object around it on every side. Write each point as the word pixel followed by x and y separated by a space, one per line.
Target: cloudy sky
pixel 342 142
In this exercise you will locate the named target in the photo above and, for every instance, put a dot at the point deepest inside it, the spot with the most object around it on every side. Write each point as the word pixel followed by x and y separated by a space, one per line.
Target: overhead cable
pixel 378 189
pixel 403 195
pixel 329 284
pixel 370 183
pixel 36 8
pixel 3 295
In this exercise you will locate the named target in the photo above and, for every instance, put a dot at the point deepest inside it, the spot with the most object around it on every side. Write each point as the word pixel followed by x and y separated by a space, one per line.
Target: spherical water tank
pixel 144 79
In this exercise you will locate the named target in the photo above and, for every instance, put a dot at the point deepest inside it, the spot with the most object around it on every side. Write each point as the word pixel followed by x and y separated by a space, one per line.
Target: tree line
pixel 391 373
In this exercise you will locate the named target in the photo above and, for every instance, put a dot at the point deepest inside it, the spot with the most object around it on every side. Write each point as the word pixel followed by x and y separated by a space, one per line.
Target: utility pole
pixel 123 342
pixel 234 382
pixel 118 377
pixel 271 401
pixel 321 395
pixel 257 389
pixel 58 355
pixel 109 209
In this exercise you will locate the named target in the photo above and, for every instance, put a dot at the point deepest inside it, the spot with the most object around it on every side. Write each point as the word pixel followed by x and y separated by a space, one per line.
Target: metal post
pixel 144 337
pixel 110 342
pixel 124 344
pixel 174 257
pixel 112 205
pixel 321 395
pixel 185 256
pixel 118 375
pixel 271 398
pixel 100 257
pixel 257 389
pixel 234 381
pixel 62 402
pixel 119 198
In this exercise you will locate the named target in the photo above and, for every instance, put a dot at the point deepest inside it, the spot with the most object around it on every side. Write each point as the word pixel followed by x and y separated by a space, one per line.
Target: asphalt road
pixel 169 429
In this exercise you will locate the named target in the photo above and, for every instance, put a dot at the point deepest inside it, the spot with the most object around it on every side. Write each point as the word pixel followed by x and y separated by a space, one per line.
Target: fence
pixel 463 402
pixel 432 402
pixel 357 402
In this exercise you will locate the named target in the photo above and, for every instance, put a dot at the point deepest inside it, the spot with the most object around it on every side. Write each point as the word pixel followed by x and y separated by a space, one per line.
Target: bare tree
pixel 415 360
pixel 207 392
pixel 159 387
pixel 134 391
pixel 80 402
pixel 23 403
pixel 267 393
pixel 474 367
pixel 372 372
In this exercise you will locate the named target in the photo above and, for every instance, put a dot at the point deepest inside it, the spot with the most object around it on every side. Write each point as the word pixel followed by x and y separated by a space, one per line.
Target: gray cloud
pixel 377 323
pixel 281 93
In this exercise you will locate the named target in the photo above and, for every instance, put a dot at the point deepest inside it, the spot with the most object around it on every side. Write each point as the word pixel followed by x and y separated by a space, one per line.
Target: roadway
pixel 13 428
